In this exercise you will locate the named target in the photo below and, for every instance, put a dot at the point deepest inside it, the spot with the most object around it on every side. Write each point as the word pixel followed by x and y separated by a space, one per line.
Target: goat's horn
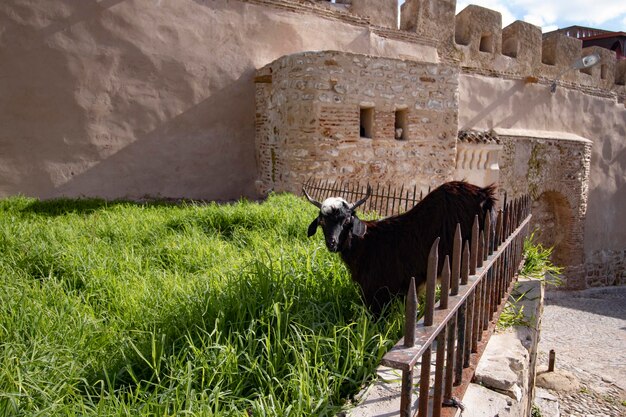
pixel 313 201
pixel 361 201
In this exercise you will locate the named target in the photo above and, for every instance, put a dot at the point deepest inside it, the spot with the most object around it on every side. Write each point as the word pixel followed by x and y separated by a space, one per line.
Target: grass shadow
pixel 65 206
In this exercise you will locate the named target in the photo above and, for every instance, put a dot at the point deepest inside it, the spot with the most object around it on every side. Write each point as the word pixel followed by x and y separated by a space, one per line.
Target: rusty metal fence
pixel 476 281
pixel 385 201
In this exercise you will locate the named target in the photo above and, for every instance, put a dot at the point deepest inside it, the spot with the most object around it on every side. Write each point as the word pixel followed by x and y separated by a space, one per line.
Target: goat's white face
pixel 338 220
pixel 333 204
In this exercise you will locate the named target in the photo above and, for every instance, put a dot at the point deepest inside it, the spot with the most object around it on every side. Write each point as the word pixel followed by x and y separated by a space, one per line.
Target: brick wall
pixel 308 120
pixel 555 172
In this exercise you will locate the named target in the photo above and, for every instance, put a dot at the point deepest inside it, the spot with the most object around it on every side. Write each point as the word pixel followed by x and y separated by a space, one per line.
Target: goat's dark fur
pixel 392 250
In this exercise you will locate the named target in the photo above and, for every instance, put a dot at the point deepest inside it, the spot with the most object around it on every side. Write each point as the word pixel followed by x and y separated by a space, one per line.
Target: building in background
pixel 615 41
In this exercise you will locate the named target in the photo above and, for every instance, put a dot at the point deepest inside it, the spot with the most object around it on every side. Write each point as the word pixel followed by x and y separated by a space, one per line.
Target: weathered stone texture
pixel 478 32
pixel 560 50
pixel 522 41
pixel 603 74
pixel 430 18
pixel 381 12
pixel 309 120
pixel 605 267
pixel 555 171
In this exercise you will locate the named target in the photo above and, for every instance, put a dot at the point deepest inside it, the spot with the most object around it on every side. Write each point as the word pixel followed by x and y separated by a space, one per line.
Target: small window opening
pixel 366 125
pixel 486 43
pixel 401 124
pixel 586 70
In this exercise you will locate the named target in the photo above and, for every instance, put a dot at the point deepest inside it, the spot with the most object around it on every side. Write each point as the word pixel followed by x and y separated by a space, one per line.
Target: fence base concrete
pixel 504 380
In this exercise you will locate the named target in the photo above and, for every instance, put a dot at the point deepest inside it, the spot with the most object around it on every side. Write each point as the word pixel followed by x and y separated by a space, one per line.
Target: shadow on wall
pixel 114 121
pixel 516 98
pixel 36 86
pixel 180 158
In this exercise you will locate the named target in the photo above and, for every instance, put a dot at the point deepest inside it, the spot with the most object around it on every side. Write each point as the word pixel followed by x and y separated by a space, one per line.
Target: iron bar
pixel 465 264
pixel 460 337
pixel 400 357
pixel 481 249
pixel 455 275
pixel 445 284
pixel 450 352
pixel 406 394
pixel 431 283
pixel 424 382
pixel 474 247
pixel 439 368
pixel 469 320
pixel 411 315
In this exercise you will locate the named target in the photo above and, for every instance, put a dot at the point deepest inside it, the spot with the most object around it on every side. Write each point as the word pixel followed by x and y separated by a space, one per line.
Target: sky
pixel 556 14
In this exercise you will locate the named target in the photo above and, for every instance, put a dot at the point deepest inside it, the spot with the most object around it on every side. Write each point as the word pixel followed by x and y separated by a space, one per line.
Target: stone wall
pixel 311 111
pixel 554 170
pixel 601 268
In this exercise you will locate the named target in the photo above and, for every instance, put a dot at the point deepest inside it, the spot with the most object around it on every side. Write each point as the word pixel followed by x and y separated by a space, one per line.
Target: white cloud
pixel 549 28
pixel 553 14
pixel 572 12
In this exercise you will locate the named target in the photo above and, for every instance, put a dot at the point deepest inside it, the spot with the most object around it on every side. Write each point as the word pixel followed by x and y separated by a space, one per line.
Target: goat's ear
pixel 313 227
pixel 358 227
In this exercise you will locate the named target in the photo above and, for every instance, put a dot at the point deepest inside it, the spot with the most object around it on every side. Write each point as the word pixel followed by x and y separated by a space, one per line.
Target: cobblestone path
pixel 587 330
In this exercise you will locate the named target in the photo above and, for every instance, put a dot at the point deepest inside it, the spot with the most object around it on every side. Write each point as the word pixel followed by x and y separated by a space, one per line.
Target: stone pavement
pixel 587 330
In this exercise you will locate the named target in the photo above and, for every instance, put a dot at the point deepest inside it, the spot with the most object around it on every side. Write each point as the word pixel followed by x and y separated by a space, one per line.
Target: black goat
pixel 383 255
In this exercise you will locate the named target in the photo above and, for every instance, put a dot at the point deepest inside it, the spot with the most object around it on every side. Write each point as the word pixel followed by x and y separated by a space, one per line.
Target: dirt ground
pixel 587 330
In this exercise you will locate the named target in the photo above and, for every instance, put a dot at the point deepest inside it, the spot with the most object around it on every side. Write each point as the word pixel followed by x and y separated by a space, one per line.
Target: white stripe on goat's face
pixel 333 204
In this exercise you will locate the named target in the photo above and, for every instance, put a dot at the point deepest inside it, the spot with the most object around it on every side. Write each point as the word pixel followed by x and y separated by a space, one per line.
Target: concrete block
pixel 603 74
pixel 429 18
pixel 522 40
pixel 560 50
pixel 482 402
pixel 504 366
pixel 381 12
pixel 547 403
pixel 480 29
pixel 620 72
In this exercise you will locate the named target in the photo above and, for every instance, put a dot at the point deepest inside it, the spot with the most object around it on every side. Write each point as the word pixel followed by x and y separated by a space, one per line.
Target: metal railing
pixel 385 201
pixel 476 280
pixel 474 288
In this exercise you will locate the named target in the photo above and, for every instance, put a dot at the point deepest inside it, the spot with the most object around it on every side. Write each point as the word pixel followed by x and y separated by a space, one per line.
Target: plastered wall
pixel 311 111
pixel 144 98
pixel 488 103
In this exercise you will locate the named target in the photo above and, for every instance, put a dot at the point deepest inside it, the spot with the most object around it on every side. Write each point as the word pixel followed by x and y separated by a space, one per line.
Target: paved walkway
pixel 587 330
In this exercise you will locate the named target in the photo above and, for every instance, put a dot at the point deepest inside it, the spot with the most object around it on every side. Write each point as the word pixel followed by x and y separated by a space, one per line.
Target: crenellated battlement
pixel 475 39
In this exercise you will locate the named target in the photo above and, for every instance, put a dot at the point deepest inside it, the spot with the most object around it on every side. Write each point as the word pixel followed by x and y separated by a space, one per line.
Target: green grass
pixel 537 265
pixel 126 309
pixel 538 262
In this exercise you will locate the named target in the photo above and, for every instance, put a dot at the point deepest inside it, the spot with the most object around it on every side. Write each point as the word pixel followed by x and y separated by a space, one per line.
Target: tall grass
pixel 538 262
pixel 124 309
